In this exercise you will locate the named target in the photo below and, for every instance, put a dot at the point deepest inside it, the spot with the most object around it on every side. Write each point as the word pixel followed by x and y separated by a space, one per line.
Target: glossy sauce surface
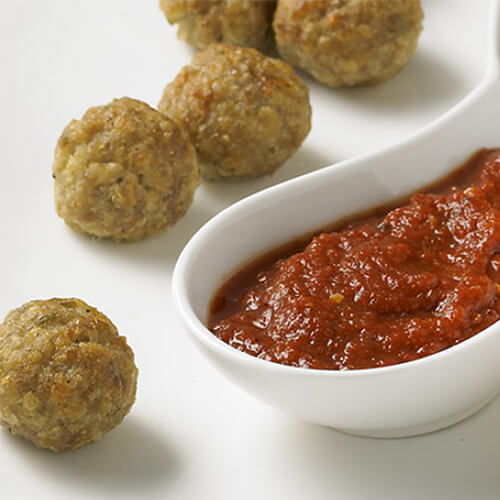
pixel 384 288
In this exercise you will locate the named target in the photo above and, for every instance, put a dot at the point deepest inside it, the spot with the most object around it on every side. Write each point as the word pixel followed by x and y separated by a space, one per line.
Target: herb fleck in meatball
pixel 245 113
pixel 236 22
pixel 124 171
pixel 348 42
pixel 66 376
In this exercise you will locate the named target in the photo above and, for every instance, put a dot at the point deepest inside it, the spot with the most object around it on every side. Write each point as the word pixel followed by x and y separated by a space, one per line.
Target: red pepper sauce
pixel 385 288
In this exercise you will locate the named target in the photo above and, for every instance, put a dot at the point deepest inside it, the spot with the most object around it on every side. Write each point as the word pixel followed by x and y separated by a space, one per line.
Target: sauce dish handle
pixel 493 66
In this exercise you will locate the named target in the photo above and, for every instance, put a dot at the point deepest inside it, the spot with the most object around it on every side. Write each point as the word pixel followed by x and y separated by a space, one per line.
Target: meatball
pixel 236 22
pixel 124 171
pixel 348 42
pixel 245 113
pixel 66 376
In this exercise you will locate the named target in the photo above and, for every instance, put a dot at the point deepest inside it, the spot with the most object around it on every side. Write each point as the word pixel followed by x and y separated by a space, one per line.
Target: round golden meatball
pixel 124 171
pixel 66 376
pixel 236 22
pixel 348 42
pixel 245 113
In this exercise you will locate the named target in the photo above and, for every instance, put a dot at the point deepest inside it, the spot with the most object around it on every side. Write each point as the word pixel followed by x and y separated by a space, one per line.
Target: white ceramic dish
pixel 402 400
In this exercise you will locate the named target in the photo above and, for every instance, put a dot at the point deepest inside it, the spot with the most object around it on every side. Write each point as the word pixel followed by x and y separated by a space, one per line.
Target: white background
pixel 191 434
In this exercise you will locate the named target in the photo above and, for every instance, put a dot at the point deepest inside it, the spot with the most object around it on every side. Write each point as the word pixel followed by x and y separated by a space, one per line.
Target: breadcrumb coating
pixel 245 23
pixel 66 376
pixel 245 113
pixel 348 42
pixel 124 171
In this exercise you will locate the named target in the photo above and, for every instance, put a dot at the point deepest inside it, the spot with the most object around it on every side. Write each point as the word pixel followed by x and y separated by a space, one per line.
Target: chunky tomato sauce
pixel 383 289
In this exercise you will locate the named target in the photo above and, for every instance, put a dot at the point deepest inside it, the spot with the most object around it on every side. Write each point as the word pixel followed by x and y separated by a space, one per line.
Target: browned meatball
pixel 66 376
pixel 245 113
pixel 236 22
pixel 348 42
pixel 124 171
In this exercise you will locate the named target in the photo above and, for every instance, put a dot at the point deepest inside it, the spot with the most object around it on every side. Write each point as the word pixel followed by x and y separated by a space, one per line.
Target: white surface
pixel 191 434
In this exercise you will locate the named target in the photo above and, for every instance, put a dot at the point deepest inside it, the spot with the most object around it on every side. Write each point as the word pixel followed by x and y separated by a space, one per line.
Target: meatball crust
pixel 124 171
pixel 237 22
pixel 66 376
pixel 245 113
pixel 348 42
